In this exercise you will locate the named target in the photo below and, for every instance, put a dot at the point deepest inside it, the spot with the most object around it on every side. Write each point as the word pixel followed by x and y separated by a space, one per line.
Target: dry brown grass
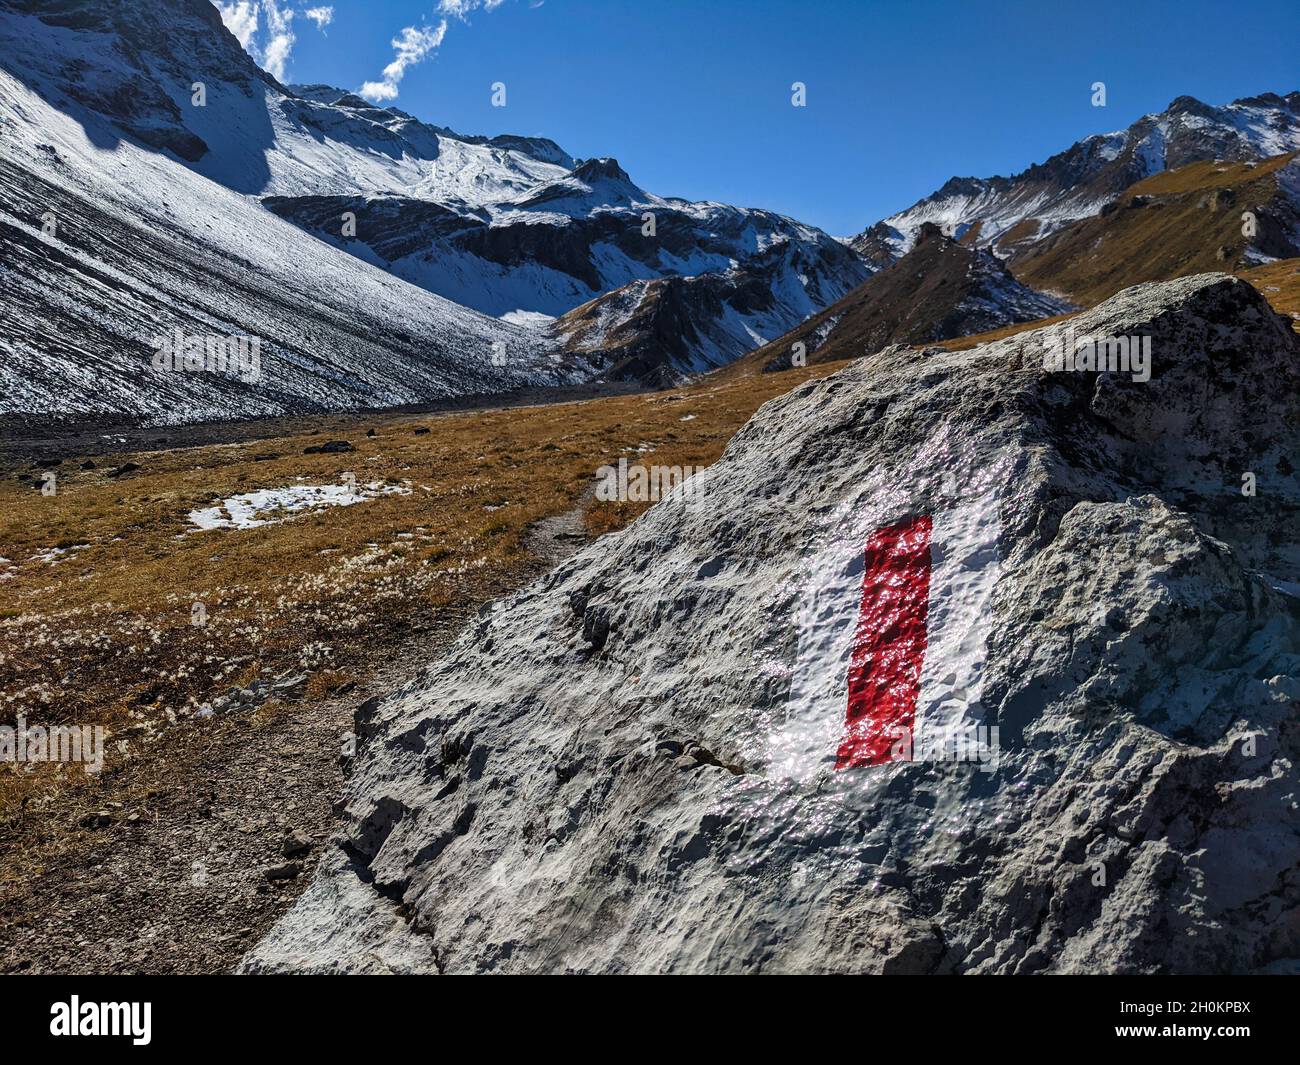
pixel 1280 284
pixel 101 633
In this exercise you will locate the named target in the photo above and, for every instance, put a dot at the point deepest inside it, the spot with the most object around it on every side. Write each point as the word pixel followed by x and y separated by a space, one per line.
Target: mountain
pixel 631 765
pixel 661 331
pixel 568 240
pixel 1007 212
pixel 940 289
pixel 201 194
pixel 113 237
pixel 1172 224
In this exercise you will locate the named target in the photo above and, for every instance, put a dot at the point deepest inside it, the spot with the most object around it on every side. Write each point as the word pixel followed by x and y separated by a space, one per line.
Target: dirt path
pixel 181 859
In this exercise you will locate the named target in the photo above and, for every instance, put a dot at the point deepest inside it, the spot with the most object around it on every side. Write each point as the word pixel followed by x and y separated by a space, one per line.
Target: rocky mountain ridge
pixel 939 290
pixel 1006 212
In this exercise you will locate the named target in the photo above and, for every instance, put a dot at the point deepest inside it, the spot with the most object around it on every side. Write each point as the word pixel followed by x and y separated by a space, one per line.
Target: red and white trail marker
pixel 892 642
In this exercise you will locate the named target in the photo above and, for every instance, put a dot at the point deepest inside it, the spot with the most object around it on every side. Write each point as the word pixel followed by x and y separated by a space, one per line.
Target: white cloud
pixel 240 19
pixel 244 17
pixel 412 45
pixel 279 28
pixel 461 8
pixel 409 47
pixel 322 16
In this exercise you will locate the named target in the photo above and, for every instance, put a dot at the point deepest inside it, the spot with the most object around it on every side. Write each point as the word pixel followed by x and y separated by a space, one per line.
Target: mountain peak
pixel 928 231
pixel 1291 101
pixel 597 169
pixel 1189 105
pixel 1078 182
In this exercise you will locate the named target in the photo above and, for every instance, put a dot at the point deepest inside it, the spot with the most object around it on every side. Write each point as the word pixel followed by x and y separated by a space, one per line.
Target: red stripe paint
pixel 888 644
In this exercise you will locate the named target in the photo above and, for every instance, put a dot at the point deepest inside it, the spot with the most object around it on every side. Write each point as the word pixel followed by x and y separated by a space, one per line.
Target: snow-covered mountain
pixel 572 237
pixel 166 155
pixel 591 238
pixel 113 236
pixel 661 331
pixel 1007 212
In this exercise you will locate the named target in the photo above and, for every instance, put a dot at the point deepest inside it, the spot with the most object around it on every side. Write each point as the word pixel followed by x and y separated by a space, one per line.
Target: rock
pixel 521 807
pixel 421 430
pixel 370 432
pixel 125 468
pixel 330 447
pixel 88 465
pixel 578 599
pixel 1222 198
pixel 97 819
pixel 287 871
pixel 595 626
pixel 289 686
pixel 295 844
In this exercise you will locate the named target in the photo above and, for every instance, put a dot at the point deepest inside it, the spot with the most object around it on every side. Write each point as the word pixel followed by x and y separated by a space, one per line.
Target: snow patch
pixel 268 506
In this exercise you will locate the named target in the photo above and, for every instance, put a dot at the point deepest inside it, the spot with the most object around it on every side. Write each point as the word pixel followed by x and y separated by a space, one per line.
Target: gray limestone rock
pixel 546 801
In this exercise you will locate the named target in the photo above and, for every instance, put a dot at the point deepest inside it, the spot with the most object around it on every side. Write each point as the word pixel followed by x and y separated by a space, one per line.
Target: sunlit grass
pixel 102 632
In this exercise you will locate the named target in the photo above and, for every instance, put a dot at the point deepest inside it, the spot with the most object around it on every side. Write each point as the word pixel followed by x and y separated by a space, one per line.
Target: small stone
pixel 595 626
pixel 295 844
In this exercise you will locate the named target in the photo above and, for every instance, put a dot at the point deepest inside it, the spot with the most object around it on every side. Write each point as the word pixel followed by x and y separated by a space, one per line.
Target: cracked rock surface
pixel 585 781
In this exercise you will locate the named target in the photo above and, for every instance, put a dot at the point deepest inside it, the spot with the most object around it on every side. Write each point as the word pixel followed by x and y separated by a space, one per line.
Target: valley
pixel 341 490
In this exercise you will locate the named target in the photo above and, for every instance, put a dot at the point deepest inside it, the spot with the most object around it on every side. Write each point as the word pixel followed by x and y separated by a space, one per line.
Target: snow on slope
pixel 142 245
pixel 137 64
pixel 510 226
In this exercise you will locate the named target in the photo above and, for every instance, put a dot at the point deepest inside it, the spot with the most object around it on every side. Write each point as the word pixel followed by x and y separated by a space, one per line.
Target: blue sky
pixel 693 97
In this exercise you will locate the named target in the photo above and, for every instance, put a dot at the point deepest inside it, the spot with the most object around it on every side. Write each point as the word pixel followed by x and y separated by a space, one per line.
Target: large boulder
pixel 541 802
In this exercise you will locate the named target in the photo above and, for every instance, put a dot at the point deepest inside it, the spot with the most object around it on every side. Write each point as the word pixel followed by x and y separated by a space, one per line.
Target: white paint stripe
pixel 963 575
pixel 805 742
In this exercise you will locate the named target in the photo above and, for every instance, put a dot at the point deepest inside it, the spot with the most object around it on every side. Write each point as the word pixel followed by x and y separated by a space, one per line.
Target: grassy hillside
pixel 1184 221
